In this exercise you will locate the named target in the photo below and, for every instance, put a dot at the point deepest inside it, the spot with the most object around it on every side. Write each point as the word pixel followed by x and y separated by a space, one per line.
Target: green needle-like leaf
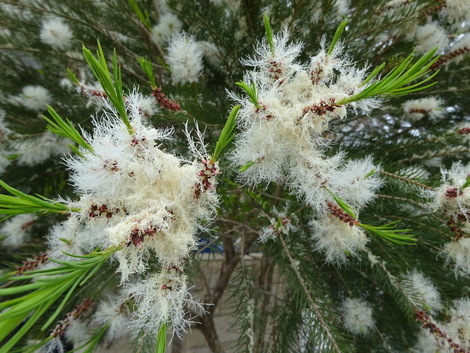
pixel 146 65
pixel 227 133
pixel 269 33
pixel 250 91
pixel 143 16
pixel 389 233
pixel 161 339
pixel 337 35
pixel 397 81
pixel 65 128
pixel 467 182
pixel 341 203
pixel 112 85
pixel 22 203
pixel 46 293
pixel 246 167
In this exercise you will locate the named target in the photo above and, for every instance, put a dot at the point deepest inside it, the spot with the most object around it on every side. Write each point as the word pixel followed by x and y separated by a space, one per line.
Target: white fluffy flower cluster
pixel 168 25
pixel 357 316
pixel 33 98
pixel 56 33
pixel 419 287
pixel 136 196
pixel 161 298
pixel 456 11
pixel 416 109
pixel 452 198
pixel 184 58
pixel 456 330
pixel 32 151
pixel 113 311
pixel 430 35
pixel 282 224
pixel 337 239
pixel 459 325
pixel 17 229
pixel 282 137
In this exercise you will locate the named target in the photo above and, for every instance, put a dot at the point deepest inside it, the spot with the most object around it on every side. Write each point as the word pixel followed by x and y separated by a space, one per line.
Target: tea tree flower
pixel 162 298
pixel 457 253
pixel 185 58
pixel 289 106
pixel 37 150
pixel 451 197
pixel 17 229
pixel 456 11
pixel 168 25
pixel 337 239
pixel 427 293
pixel 357 316
pixel 459 325
pixel 417 109
pixel 430 35
pixel 56 33
pixel 426 343
pixel 34 97
pixel 114 312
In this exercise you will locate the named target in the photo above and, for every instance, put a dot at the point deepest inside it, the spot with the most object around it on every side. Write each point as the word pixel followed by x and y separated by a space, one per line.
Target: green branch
pixel 386 231
pixel 389 233
pixel 143 16
pixel 65 128
pixel 49 286
pixel 337 35
pixel 227 133
pixel 397 81
pixel 22 203
pixel 146 65
pixel 112 84
pixel 250 91
pixel 269 33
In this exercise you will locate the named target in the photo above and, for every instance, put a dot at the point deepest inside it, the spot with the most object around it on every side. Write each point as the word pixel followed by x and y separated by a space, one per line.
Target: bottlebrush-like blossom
pixel 456 11
pixel 426 343
pixel 457 253
pixel 17 229
pixel 37 150
pixel 277 64
pixel 94 92
pixel 459 325
pixel 162 298
pixel 78 332
pixel 357 316
pixel 147 202
pixel 113 312
pixel 450 196
pixel 430 35
pixel 417 109
pixel 282 136
pixel 138 196
pixel 56 33
pixel 33 97
pixel 184 58
pixel 416 284
pixel 463 131
pixel 337 239
pixel 343 7
pixel 168 25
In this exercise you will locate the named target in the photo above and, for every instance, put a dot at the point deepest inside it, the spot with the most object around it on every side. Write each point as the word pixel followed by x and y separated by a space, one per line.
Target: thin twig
pixel 313 304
